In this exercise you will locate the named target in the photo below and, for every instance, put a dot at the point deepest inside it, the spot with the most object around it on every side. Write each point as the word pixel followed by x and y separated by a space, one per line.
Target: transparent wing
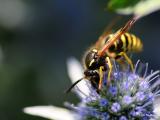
pixel 108 30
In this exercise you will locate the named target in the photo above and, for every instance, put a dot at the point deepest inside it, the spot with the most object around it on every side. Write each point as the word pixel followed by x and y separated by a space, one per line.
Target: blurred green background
pixel 37 37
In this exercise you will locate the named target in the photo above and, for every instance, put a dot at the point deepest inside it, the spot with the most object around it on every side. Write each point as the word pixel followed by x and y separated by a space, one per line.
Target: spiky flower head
pixel 130 96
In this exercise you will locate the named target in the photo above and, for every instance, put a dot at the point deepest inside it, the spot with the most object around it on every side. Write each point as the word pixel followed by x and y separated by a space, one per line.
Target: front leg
pixel 101 77
pixel 110 66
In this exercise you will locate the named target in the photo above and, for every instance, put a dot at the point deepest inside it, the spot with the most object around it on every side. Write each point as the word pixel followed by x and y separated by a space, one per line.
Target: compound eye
pixel 91 59
pixel 92 63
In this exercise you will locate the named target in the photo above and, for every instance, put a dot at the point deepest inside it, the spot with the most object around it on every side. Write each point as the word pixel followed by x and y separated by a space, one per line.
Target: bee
pixel 109 46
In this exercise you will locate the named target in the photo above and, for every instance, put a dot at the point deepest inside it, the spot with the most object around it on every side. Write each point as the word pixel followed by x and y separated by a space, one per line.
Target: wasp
pixel 109 46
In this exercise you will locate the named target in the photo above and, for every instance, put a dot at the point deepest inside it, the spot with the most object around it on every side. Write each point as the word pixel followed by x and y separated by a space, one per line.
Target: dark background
pixel 37 37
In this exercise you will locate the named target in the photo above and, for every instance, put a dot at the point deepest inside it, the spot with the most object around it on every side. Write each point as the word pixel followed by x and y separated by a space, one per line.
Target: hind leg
pixel 129 61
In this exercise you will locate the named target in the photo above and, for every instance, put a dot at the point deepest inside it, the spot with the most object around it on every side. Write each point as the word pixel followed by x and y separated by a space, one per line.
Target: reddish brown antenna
pixel 117 35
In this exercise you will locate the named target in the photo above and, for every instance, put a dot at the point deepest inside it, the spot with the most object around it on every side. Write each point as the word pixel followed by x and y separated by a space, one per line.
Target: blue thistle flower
pixel 116 107
pixel 103 102
pixel 126 100
pixel 129 97
pixel 113 90
pixel 132 95
pixel 123 118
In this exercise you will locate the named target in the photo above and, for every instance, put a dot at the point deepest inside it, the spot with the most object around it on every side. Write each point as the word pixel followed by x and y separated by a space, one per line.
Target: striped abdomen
pixel 127 43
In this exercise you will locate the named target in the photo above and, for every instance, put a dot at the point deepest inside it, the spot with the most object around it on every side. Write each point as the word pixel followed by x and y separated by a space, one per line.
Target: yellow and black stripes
pixel 127 43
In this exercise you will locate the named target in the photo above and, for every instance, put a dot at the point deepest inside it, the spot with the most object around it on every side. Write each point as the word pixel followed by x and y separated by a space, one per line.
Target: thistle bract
pixel 129 96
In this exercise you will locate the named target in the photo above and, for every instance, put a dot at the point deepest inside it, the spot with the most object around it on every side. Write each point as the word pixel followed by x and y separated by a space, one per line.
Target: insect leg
pixel 127 59
pixel 110 70
pixel 101 77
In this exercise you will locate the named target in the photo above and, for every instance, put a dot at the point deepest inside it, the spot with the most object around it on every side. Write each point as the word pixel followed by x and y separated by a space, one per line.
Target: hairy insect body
pixel 98 59
pixel 125 44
